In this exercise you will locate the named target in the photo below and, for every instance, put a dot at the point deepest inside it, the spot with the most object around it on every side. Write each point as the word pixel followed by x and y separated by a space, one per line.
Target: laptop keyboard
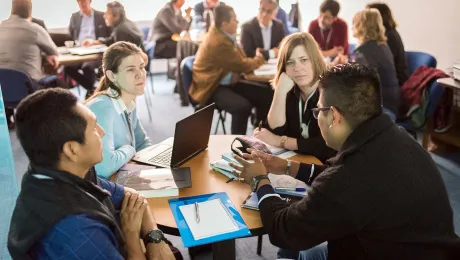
pixel 163 158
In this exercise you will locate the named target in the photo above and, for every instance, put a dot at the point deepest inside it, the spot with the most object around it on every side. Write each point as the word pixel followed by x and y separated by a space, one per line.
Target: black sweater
pixel 381 197
pixel 396 46
pixel 315 144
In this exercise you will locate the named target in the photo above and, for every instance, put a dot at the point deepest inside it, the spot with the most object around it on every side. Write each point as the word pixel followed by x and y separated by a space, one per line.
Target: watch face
pixel 156 236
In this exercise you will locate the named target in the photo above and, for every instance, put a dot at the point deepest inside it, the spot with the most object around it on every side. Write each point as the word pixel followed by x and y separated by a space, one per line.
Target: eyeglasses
pixel 319 109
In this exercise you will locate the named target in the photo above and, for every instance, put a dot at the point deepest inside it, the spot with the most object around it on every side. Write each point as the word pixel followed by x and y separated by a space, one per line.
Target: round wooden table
pixel 205 180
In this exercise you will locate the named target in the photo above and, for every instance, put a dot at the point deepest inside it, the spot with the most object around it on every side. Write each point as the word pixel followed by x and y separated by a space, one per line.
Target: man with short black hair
pixel 217 73
pixel 123 28
pixel 329 31
pixel 263 31
pixel 64 211
pixel 381 196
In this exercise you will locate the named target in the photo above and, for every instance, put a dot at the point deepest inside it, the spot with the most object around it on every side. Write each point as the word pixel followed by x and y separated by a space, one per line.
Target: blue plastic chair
pixel 186 67
pixel 417 59
pixel 16 85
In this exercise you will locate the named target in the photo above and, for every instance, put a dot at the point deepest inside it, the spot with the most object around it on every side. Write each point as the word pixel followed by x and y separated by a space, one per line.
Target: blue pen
pixel 291 189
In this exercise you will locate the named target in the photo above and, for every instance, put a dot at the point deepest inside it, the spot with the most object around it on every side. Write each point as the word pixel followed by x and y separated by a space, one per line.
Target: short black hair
pixel 117 9
pixel 45 121
pixel 354 89
pixel 331 6
pixel 222 13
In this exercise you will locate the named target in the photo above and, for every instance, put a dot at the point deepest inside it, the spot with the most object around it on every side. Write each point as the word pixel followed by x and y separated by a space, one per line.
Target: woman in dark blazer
pixel 394 41
pixel 374 52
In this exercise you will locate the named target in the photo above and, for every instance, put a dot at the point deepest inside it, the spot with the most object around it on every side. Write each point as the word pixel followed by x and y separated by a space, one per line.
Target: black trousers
pixel 88 77
pixel 239 100
pixel 165 49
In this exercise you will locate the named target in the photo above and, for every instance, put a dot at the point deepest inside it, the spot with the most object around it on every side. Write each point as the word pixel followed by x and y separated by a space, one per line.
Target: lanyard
pixel 304 127
pixel 328 39
pixel 128 121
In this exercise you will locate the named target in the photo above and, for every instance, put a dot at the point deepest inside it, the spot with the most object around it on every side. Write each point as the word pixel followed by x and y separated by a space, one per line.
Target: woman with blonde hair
pixel 290 122
pixel 114 104
pixel 374 52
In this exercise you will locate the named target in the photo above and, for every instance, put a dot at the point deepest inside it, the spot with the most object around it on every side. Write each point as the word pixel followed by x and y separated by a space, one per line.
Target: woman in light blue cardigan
pixel 114 105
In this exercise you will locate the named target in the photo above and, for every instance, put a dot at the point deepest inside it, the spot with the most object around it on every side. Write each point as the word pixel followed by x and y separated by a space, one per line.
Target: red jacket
pixel 412 94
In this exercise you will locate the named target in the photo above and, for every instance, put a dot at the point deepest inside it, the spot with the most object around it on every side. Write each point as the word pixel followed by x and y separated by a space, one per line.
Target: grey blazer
pixel 101 29
pixel 168 23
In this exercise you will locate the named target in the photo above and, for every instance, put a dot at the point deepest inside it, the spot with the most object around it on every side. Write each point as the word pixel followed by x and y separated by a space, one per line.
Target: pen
pixel 291 189
pixel 232 179
pixel 260 125
pixel 197 213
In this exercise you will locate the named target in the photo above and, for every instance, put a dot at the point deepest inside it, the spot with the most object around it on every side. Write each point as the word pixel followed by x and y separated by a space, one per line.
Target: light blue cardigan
pixel 116 143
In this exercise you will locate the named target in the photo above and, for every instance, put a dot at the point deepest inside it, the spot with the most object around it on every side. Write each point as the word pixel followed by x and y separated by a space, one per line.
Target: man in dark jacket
pixel 123 28
pixel 263 32
pixel 64 211
pixel 85 26
pixel 381 197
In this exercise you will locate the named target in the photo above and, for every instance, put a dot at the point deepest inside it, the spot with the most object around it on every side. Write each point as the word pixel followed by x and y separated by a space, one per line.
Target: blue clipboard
pixel 186 234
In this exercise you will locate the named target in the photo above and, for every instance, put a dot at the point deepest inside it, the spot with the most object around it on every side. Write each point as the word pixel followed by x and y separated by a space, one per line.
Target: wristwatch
pixel 288 166
pixel 154 236
pixel 283 141
pixel 255 181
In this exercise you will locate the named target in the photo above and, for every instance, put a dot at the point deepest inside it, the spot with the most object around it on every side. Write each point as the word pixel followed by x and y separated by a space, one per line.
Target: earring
pixel 330 126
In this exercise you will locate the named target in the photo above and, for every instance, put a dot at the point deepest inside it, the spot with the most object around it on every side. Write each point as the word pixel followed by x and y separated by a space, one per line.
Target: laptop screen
pixel 192 135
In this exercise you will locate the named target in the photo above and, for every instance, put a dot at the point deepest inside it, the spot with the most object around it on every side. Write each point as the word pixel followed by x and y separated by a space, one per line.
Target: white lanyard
pixel 304 127
pixel 328 39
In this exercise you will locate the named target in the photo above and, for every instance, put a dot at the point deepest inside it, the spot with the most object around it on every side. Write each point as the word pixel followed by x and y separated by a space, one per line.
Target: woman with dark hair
pixel 394 41
pixel 114 104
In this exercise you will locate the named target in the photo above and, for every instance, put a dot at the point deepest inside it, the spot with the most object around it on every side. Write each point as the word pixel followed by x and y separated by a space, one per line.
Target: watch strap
pixel 256 180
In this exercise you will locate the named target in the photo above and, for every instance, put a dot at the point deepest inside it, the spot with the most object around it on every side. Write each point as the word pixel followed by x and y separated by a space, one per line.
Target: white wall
pixel 430 26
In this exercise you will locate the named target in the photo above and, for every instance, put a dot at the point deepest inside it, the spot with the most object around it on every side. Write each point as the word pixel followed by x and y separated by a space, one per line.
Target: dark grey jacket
pixel 379 57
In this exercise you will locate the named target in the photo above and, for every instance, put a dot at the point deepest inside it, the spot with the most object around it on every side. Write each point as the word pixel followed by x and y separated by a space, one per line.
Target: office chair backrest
pixel 16 85
pixel 187 75
pixel 417 59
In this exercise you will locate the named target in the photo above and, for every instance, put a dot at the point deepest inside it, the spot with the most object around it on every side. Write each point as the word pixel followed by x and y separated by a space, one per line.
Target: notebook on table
pixel 219 219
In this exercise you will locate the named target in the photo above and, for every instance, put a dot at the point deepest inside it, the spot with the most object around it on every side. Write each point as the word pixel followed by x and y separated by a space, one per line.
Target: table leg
pixel 224 250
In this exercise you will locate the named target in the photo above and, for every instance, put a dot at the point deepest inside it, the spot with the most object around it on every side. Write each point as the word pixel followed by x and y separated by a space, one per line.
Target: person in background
pixel 169 21
pixel 263 32
pixel 217 71
pixel 39 22
pixel 374 200
pixel 64 211
pixel 282 16
pixel 374 52
pixel 123 28
pixel 200 8
pixel 85 26
pixel 114 105
pixel 329 31
pixel 394 41
pixel 290 122
pixel 21 46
